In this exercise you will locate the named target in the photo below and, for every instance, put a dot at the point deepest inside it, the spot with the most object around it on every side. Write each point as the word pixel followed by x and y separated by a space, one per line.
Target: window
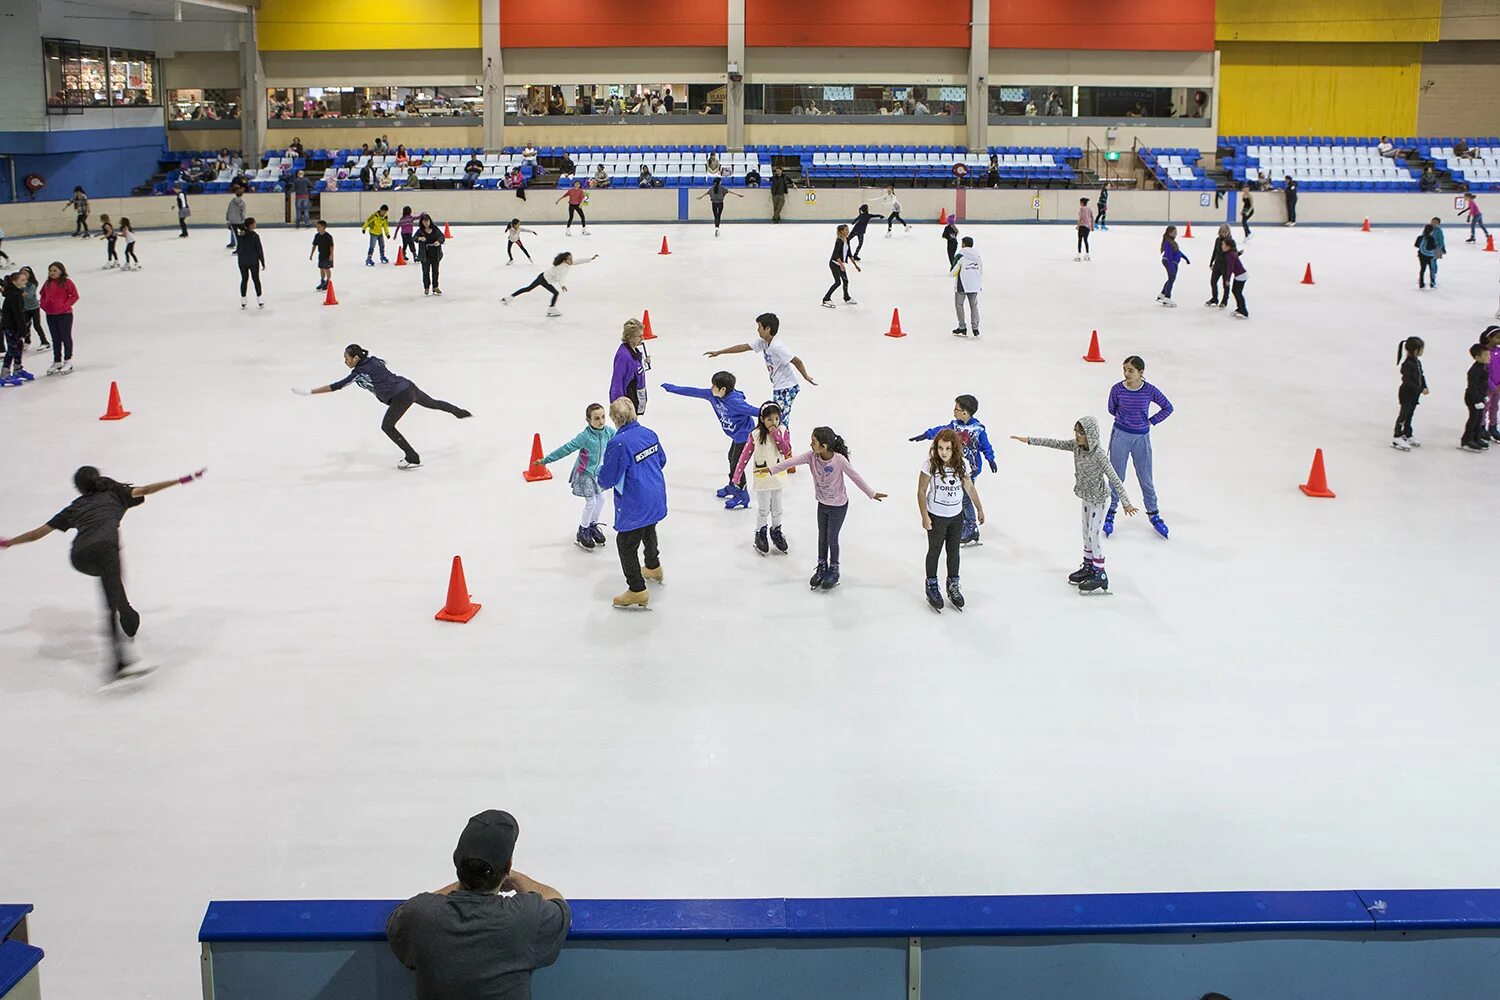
pixel 77 75
pixel 1113 103
pixel 544 100
pixel 375 102
pixel 1032 101
pixel 855 99
pixel 132 78
pixel 203 105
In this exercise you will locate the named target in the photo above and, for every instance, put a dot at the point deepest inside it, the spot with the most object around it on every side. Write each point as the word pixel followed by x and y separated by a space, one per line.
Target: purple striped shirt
pixel 1132 408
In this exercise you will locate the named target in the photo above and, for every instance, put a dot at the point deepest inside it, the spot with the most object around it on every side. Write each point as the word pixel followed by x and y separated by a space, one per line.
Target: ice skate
pixel 632 599
pixel 260 303
pixel 828 305
pixel 1077 258
pixel 584 540
pixel 66 369
pixel 818 575
pixel 778 540
pixel 831 578
pixel 960 331
pixel 243 303
pixel 934 595
pixel 724 491
pixel 1239 315
pixel 1400 444
pixel 369 262
pixel 972 538
pixel 1082 573
pixel 1168 303
pixel 409 464
pixel 976 333
pixel 1095 584
pixel 955 595
pixel 761 543
pixel 383 260
pixel 850 302
pixel 23 375
pixel 654 575
pixel 596 533
pixel 1411 442
pixel 738 500
pixel 587 233
pixel 1157 523
pixel 53 368
pixel 436 290
pixel 1086 257
pixel 554 312
pixel 505 300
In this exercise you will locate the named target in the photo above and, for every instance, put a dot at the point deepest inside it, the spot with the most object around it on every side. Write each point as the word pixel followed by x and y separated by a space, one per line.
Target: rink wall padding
pixel 20 961
pixel 54 218
pixel 1294 945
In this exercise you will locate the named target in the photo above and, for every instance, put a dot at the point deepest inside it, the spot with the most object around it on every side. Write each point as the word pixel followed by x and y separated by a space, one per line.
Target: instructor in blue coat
pixel 632 468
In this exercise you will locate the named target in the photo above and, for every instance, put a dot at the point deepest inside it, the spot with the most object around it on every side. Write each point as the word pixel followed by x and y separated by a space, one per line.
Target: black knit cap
pixel 490 837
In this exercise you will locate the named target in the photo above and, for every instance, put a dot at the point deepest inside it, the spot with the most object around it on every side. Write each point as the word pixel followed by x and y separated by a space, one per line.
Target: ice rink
pixel 1289 694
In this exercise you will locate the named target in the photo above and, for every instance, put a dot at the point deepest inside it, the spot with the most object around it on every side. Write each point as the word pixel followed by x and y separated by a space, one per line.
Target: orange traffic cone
pixel 536 473
pixel 1489 244
pixel 646 322
pixel 1366 227
pixel 1187 232
pixel 114 411
pixel 401 256
pixel 1093 354
pixel 459 608
pixel 447 233
pixel 1317 479
pixel 1307 276
pixel 663 251
pixel 895 330
pixel 943 216
pixel 330 299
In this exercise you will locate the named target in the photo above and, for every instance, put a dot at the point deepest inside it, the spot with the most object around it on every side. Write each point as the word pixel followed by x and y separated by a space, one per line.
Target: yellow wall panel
pixel 312 25
pixel 1290 88
pixel 1328 20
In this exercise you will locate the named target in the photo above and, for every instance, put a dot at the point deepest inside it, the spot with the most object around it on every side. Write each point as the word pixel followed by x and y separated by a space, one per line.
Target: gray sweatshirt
pixel 1093 475
pixel 235 213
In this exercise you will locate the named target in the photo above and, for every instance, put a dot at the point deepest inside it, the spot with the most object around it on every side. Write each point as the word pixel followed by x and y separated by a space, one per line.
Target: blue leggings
pixel 1166 290
pixel 1125 446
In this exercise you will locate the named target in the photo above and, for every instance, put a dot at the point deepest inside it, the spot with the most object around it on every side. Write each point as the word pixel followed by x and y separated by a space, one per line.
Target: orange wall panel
pixel 556 24
pixel 1154 25
pixel 934 24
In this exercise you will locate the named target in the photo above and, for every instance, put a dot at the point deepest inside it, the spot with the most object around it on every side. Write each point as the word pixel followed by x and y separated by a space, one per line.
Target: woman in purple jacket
pixel 631 365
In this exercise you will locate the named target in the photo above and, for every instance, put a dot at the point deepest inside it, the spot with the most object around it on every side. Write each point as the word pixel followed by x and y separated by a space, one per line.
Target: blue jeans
pixel 1123 446
pixel 375 239
pixel 784 399
pixel 304 211
pixel 1477 220
pixel 1166 290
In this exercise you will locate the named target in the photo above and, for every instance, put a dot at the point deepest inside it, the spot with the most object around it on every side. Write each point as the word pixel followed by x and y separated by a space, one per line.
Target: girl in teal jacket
pixel 584 479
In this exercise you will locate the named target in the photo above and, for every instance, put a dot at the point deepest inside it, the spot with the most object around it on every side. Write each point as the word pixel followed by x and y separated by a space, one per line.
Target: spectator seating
pixel 1480 173
pixel 1319 163
pixel 1016 163
pixel 1177 169
pixel 677 168
pixel 674 166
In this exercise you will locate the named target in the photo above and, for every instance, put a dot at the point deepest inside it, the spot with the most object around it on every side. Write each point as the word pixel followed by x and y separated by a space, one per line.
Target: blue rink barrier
pixel 1320 945
pixel 19 975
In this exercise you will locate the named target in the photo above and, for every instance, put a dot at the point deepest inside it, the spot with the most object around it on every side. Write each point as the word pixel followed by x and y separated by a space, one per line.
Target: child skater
pixel 1476 217
pixel 769 443
pixel 1216 273
pixel 717 191
pixel 1085 226
pixel 1234 273
pixel 378 225
pixel 895 215
pixel 950 237
pixel 1130 437
pixel 322 245
pixel 552 280
pixel 780 362
pixel 397 393
pixel 13 330
pixel 96 516
pixel 513 241
pixel 1413 388
pixel 829 462
pixel 1093 479
pixel 976 442
pixel 31 301
pixel 838 264
pixel 110 237
pixel 406 225
pixel 968 281
pixel 584 479
pixel 1491 339
pixel 1247 209
pixel 57 298
pixel 1475 391
pixel 1171 256
pixel 575 195
pixel 942 484
pixel 132 262
pixel 737 418
pixel 857 230
pixel 1103 209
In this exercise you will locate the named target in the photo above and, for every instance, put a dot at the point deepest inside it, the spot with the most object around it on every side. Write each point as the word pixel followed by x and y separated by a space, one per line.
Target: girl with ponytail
pixel 1413 388
pixel 829 462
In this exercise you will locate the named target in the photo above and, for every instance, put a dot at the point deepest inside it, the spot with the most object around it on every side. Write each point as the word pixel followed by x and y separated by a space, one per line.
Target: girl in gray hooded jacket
pixel 1093 477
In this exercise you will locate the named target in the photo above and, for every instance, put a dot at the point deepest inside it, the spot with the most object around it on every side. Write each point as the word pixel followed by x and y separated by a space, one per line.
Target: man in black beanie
pixel 465 941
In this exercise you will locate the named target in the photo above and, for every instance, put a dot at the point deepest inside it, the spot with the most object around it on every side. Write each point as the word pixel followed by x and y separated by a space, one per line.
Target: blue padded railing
pixel 16 961
pixel 11 915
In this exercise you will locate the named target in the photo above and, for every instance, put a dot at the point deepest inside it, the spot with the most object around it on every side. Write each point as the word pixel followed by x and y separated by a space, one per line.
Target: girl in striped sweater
pixel 1130 438
pixel 584 479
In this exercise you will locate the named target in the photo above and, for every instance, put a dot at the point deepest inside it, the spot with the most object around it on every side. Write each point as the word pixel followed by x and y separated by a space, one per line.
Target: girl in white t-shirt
pixel 552 280
pixel 941 484
pixel 769 443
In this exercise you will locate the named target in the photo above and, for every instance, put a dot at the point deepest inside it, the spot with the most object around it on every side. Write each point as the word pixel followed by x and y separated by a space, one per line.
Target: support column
pixel 492 74
pixel 734 91
pixel 977 108
pixel 252 94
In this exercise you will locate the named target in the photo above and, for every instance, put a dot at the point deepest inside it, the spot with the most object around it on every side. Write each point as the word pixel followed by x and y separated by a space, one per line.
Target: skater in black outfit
pixel 429 239
pixel 1247 209
pixel 1216 274
pixel 1476 390
pixel 861 223
pixel 1291 201
pixel 950 235
pixel 252 260
pixel 96 515
pixel 1413 388
pixel 397 393
pixel 839 263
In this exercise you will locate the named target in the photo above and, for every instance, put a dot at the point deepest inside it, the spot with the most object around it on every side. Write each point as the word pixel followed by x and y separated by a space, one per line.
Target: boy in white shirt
pixel 780 363
pixel 968 274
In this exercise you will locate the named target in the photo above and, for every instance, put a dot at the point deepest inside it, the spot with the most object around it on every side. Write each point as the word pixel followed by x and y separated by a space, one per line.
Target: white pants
pixel 591 507
pixel 768 505
pixel 1093 534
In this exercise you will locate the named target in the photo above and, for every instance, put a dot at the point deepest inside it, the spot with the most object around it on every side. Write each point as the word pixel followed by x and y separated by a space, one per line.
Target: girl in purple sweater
pixel 829 462
pixel 1130 438
pixel 1171 256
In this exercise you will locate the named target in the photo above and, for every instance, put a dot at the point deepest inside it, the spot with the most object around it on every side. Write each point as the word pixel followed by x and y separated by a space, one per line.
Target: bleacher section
pixel 1176 169
pixel 1319 163
pixel 1017 164
pixel 1481 173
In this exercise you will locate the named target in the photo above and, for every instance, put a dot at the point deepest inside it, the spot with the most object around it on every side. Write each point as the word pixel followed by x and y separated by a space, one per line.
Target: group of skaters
pixel 25 301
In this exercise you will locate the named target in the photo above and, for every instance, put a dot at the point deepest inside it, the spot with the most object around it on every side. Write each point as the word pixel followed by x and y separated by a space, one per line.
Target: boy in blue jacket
pixel 736 417
pixel 976 441
pixel 632 467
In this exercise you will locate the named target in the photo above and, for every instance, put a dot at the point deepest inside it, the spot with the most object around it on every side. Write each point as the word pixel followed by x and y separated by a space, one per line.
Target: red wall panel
pixel 936 24
pixel 1153 25
pixel 563 24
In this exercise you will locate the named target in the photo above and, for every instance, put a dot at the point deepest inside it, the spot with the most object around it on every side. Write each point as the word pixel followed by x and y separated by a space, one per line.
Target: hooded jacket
pixel 737 415
pixel 632 467
pixel 590 444
pixel 1092 473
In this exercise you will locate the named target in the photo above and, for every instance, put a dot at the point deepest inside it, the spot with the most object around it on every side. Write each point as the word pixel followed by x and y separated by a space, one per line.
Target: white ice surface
pixel 1290 693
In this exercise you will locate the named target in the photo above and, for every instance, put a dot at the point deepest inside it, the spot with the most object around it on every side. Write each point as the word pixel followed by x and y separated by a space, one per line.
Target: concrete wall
pixel 52 218
pixel 501 206
pixel 1459 84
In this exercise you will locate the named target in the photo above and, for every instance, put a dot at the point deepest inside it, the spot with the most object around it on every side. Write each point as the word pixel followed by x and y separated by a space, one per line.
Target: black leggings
pixel 626 543
pixel 1425 264
pixel 578 209
pixel 945 533
pixel 830 523
pixel 735 447
pixel 409 244
pixel 1218 277
pixel 1245 221
pixel 1239 298
pixel 397 409
pixel 110 242
pixel 539 282
pixel 718 213
pixel 249 273
pixel 854 250
pixel 1403 418
pixel 34 321
pixel 83 224
pixel 61 326
pixel 430 267
pixel 840 277
pixel 510 249
pixel 1083 240
pixel 952 252
pixel 103 561
pixel 892 219
pixel 1103 211
pixel 182 225
pixel 130 252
